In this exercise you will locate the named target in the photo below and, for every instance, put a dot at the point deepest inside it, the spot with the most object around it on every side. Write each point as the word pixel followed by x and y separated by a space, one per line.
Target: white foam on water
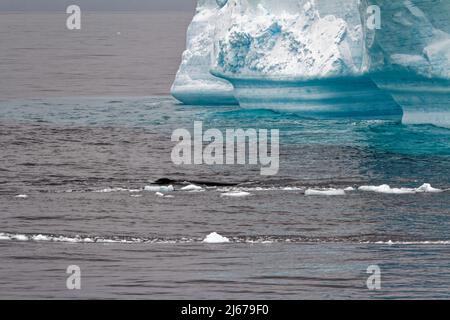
pixel 215 238
pixel 325 192
pixel 236 194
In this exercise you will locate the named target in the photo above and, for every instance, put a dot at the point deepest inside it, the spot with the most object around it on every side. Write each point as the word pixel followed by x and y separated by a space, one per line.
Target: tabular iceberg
pixel 321 58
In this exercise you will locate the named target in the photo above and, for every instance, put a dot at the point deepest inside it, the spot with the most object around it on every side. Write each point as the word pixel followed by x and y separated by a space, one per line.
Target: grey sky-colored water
pixel 106 5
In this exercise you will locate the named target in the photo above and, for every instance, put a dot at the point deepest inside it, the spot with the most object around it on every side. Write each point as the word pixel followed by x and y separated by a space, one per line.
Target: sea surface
pixel 80 155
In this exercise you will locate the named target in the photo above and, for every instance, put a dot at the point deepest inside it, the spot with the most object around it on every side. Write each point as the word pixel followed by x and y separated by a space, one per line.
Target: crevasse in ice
pixel 319 58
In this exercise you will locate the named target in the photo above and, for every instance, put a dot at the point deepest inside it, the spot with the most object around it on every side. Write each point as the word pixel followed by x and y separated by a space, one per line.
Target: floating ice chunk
pixel 159 188
pixel 349 189
pixel 215 238
pixel 236 194
pixel 108 190
pixel 387 189
pixel 21 196
pixel 4 237
pixel 41 237
pixel 19 237
pixel 192 187
pixel 325 192
pixel 159 194
pixel 426 187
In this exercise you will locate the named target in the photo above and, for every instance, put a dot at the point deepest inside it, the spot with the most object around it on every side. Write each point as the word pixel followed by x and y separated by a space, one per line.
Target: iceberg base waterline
pixel 352 97
pixel 423 100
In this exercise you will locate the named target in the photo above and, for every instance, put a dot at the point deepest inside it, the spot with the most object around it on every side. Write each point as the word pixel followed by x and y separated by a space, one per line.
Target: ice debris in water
pixel 21 196
pixel 215 238
pixel 325 192
pixel 108 190
pixel 159 188
pixel 425 188
pixel 236 194
pixel 192 187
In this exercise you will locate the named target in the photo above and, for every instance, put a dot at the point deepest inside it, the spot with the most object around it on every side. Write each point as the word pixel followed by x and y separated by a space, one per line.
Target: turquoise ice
pixel 320 58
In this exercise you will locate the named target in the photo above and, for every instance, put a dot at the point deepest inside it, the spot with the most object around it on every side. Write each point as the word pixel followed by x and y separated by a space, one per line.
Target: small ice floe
pixel 159 188
pixel 236 194
pixel 384 188
pixel 21 196
pixel 425 188
pixel 324 192
pixel 291 189
pixel 19 237
pixel 41 237
pixel 192 187
pixel 136 195
pixel 162 195
pixel 134 190
pixel 4 237
pixel 108 190
pixel 349 189
pixel 215 238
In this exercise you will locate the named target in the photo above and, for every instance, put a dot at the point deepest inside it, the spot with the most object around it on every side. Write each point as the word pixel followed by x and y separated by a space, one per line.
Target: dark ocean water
pixel 130 243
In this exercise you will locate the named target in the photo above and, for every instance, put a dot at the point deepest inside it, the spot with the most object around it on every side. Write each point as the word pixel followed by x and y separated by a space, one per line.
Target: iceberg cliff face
pixel 320 58
pixel 193 83
pixel 303 56
pixel 411 58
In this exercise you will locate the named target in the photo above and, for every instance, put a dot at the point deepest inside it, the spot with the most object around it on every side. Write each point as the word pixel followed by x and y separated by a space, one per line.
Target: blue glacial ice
pixel 411 58
pixel 319 58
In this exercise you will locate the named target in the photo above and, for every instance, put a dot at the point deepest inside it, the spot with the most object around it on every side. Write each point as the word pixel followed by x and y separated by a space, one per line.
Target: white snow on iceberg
pixel 194 84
